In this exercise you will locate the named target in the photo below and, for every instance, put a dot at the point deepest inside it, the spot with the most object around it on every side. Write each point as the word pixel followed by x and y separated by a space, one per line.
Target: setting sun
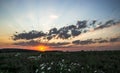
pixel 42 48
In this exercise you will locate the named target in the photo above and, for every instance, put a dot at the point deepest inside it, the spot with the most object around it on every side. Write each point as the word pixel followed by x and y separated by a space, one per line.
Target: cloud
pixel 107 24
pixel 28 35
pixel 53 16
pixel 89 41
pixel 76 42
pixel 49 37
pixel 63 33
pixel 84 42
pixel 35 43
pixel 28 43
pixel 103 41
pixel 92 41
pixel 53 31
pixel 75 32
pixel 59 44
pixel 115 39
pixel 81 24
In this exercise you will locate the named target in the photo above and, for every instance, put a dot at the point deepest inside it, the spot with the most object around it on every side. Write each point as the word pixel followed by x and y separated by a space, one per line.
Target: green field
pixel 60 62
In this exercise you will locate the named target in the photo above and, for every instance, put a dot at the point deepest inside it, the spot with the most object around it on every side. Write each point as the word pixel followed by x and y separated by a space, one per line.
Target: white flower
pixel 36 71
pixel 69 70
pixel 48 68
pixel 52 63
pixel 95 71
pixel 41 65
pixel 63 60
pixel 42 72
pixel 82 67
pixel 32 57
pixel 75 63
pixel 17 54
pixel 42 68
pixel 40 56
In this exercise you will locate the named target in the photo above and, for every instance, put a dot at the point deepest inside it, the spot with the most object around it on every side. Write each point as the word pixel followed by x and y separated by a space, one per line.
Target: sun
pixel 41 48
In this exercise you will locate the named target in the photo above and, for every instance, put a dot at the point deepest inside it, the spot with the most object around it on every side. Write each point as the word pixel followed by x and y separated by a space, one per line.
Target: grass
pixel 60 62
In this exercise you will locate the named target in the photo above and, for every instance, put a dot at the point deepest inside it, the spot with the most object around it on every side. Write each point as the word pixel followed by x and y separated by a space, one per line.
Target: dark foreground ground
pixel 60 62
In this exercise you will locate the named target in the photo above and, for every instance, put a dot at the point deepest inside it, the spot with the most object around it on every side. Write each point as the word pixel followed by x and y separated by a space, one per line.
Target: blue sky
pixel 67 12
pixel 20 15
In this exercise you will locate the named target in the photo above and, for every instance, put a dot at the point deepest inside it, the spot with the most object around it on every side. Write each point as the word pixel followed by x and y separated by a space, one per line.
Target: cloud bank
pixel 65 33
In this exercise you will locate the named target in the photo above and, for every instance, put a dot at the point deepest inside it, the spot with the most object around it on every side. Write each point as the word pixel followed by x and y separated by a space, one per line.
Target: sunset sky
pixel 70 25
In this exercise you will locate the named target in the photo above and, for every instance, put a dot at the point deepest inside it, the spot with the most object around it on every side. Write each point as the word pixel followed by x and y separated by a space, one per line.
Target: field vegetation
pixel 60 62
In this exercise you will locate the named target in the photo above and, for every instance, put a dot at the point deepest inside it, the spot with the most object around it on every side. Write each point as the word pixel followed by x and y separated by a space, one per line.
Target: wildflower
pixel 42 72
pixel 48 68
pixel 69 69
pixel 36 71
pixel 42 68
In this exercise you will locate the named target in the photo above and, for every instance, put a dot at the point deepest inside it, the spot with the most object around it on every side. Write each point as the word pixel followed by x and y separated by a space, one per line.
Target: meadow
pixel 60 62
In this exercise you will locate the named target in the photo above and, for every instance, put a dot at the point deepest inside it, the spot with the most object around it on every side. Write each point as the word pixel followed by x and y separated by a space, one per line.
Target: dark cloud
pixel 84 42
pixel 59 44
pixel 49 37
pixel 35 43
pixel 107 24
pixel 53 31
pixel 63 33
pixel 63 43
pixel 75 32
pixel 102 41
pixel 28 43
pixel 99 40
pixel 110 22
pixel 81 24
pixel 89 41
pixel 94 21
pixel 28 35
pixel 115 39
pixel 76 42
pixel 71 27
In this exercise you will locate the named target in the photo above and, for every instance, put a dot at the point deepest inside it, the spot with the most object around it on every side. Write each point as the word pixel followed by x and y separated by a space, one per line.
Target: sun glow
pixel 42 48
